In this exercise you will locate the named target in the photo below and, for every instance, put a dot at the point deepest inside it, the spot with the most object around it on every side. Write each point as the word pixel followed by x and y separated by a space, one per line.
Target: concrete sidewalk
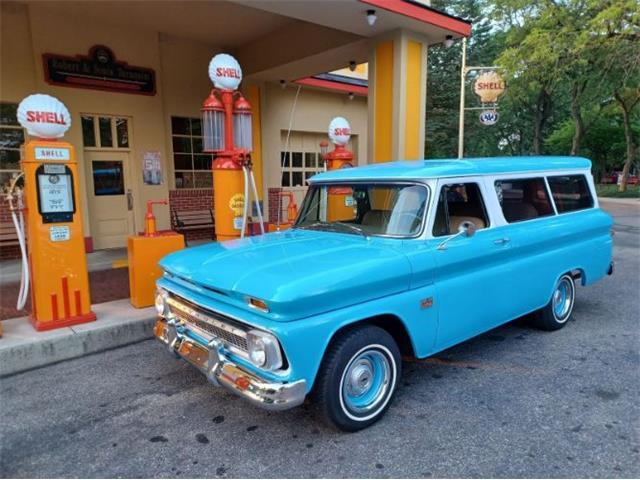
pixel 10 270
pixel 23 348
pixel 635 202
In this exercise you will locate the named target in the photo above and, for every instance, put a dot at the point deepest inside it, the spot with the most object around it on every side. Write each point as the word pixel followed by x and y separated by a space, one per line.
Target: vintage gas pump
pixel 144 252
pixel 226 124
pixel 56 252
pixel 340 202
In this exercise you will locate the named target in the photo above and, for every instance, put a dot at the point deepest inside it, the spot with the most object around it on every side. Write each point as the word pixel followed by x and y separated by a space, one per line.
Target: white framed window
pixel 300 156
pixel 191 166
pixel 102 132
pixel 12 137
pixel 297 167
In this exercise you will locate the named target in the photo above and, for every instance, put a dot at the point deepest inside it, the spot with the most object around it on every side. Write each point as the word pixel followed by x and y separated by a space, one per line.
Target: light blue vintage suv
pixel 384 261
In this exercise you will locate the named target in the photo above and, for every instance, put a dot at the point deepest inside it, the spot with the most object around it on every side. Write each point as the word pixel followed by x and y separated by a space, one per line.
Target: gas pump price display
pixel 55 193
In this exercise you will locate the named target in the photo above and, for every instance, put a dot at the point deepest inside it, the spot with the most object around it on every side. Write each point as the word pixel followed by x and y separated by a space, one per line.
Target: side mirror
pixel 465 229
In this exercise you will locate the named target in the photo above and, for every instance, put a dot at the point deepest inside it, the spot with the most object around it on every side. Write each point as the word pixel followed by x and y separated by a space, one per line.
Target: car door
pixel 473 274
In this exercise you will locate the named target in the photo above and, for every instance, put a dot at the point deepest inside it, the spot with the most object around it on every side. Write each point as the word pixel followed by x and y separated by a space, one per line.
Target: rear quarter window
pixel 570 192
pixel 523 199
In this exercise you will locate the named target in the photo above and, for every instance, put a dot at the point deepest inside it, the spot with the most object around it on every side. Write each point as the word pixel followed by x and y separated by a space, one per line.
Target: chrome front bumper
pixel 221 371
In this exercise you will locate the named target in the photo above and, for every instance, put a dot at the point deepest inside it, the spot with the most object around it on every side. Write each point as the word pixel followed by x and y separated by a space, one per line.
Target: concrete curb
pixel 23 348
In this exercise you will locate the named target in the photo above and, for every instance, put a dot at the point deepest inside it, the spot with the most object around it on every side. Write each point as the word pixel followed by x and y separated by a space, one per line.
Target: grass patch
pixel 633 191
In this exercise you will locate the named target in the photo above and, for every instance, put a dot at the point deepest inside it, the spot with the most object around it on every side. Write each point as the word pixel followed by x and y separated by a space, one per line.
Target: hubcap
pixel 562 300
pixel 366 381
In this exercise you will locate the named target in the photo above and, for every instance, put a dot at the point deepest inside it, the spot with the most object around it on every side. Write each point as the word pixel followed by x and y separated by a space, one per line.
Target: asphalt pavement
pixel 515 402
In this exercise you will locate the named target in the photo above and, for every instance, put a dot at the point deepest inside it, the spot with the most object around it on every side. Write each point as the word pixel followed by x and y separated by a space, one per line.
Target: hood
pixel 298 272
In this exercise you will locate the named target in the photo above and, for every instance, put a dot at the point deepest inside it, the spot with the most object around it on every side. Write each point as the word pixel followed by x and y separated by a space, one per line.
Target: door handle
pixel 129 200
pixel 502 241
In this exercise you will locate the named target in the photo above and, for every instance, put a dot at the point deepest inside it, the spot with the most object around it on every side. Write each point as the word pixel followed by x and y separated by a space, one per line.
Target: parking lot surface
pixel 511 403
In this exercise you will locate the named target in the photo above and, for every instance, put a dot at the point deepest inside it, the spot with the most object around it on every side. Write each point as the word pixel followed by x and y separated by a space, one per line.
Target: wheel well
pixel 392 324
pixel 578 274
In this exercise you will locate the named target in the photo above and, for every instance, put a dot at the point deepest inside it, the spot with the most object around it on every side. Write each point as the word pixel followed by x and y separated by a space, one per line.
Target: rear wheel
pixel 358 377
pixel 557 312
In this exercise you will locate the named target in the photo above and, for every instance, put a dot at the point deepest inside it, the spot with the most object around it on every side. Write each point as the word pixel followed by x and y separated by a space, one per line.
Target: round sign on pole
pixel 489 86
pixel 489 117
pixel 225 72
pixel 43 116
pixel 339 131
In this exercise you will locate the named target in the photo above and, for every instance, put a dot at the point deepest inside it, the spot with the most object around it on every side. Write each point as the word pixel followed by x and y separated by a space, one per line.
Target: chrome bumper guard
pixel 221 371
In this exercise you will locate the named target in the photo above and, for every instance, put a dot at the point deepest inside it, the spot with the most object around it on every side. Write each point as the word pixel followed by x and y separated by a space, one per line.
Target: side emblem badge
pixel 426 303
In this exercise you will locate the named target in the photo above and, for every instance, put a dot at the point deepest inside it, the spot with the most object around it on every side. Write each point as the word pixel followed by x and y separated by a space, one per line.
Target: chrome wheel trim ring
pixel 563 299
pixel 382 399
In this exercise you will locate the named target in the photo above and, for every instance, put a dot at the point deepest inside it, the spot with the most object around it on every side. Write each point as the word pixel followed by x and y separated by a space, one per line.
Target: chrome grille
pixel 213 323
pixel 223 335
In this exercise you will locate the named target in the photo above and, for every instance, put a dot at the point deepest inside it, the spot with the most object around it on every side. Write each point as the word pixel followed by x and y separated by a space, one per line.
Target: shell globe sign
pixel 489 86
pixel 44 116
pixel 225 72
pixel 339 131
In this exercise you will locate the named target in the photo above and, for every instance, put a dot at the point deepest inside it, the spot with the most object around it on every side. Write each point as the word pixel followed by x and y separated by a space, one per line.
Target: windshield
pixel 385 209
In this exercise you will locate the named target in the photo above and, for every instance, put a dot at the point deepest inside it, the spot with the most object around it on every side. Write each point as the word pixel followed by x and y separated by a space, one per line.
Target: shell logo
pixel 225 72
pixel 44 116
pixel 489 86
pixel 339 131
pixel 236 204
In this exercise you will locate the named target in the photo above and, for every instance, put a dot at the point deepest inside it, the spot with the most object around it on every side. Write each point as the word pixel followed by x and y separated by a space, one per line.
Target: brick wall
pixel 277 202
pixel 185 200
pixel 10 251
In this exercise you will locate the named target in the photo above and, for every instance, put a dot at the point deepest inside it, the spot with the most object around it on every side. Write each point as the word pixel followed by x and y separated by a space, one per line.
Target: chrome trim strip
pixel 206 318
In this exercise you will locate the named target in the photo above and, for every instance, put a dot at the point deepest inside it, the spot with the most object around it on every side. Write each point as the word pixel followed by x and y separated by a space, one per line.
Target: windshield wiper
pixel 334 226
pixel 352 227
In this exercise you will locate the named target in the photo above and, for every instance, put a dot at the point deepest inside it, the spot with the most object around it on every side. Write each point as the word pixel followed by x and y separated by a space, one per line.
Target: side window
pixel 523 199
pixel 457 203
pixel 570 193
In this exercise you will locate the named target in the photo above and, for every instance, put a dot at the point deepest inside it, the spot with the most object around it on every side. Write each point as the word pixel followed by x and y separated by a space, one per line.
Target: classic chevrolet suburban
pixel 403 258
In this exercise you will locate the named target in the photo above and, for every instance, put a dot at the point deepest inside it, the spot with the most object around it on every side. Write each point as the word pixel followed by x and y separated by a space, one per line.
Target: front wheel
pixel 557 312
pixel 358 377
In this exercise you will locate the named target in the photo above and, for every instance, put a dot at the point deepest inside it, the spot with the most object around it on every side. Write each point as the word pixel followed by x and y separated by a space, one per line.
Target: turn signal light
pixel 242 383
pixel 259 304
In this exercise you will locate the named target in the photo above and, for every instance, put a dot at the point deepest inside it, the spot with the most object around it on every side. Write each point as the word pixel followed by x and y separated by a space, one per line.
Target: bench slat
pixel 193 220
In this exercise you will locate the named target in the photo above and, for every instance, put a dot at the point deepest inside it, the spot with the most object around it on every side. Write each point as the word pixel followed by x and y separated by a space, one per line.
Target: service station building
pixel 134 76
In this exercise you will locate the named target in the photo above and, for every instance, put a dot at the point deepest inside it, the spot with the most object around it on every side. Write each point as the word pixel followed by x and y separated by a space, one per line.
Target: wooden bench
pixel 185 220
pixel 8 235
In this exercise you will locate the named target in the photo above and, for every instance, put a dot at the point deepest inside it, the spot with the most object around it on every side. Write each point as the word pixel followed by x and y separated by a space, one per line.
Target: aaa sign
pixel 489 86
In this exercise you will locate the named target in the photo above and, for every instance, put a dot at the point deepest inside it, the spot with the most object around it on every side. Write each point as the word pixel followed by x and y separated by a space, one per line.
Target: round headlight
pixel 258 353
pixel 160 302
pixel 264 350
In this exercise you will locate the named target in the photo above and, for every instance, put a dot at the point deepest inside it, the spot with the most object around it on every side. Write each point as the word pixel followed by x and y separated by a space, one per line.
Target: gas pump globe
pixel 227 124
pixel 213 124
pixel 242 119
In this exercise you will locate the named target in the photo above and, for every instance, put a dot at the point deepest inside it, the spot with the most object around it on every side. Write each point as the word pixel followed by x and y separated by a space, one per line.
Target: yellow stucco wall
pixel 182 84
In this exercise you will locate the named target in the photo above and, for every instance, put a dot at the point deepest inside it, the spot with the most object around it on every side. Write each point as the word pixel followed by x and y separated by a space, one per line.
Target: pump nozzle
pixel 150 219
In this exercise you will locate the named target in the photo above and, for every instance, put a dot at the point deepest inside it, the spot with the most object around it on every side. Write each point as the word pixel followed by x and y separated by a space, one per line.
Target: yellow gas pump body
pixel 145 251
pixel 144 254
pixel 340 206
pixel 228 198
pixel 59 278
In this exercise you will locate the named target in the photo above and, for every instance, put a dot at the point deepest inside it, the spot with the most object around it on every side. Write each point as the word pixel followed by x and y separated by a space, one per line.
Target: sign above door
pixel 99 71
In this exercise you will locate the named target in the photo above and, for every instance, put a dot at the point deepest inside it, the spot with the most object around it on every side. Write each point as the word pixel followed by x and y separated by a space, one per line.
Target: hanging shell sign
pixel 489 86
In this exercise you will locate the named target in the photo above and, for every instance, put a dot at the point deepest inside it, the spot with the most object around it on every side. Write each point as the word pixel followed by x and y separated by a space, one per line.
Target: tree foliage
pixel 573 80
